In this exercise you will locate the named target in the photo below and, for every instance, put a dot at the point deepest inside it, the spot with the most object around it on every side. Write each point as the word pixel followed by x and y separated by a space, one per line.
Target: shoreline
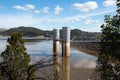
pixel 87 47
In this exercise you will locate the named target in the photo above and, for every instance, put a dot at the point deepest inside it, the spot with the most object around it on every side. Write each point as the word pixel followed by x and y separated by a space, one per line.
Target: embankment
pixel 88 47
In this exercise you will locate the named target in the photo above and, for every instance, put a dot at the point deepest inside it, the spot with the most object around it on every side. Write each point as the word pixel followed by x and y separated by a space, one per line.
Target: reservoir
pixel 80 65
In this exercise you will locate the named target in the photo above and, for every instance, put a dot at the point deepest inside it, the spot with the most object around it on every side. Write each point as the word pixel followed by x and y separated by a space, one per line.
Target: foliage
pixel 15 59
pixel 82 35
pixel 108 63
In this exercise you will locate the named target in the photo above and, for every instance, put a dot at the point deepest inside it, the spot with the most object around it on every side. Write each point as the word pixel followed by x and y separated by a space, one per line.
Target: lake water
pixel 77 61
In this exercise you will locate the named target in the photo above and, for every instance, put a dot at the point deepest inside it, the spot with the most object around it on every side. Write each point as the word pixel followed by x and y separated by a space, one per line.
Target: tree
pixel 108 63
pixel 15 59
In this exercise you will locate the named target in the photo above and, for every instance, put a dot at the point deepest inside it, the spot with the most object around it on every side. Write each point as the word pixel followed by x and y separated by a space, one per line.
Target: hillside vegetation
pixel 27 31
pixel 76 34
pixel 82 35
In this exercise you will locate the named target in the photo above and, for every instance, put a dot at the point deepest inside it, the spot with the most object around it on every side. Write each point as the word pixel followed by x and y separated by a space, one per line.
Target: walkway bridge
pixel 84 39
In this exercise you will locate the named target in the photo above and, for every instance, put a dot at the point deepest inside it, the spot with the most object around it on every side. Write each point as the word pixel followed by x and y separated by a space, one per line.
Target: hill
pixel 76 34
pixel 2 29
pixel 27 31
pixel 82 35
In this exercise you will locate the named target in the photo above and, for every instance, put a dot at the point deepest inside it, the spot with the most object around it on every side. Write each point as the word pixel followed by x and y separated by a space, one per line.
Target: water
pixel 78 61
pixel 45 48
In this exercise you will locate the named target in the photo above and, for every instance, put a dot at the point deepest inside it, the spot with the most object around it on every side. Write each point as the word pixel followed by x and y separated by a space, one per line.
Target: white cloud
pixel 26 7
pixel 83 16
pixel 58 9
pixel 46 9
pixel 92 25
pixel 92 28
pixel 90 5
pixel 78 18
pixel 64 20
pixel 90 21
pixel 50 21
pixel 2 6
pixel 8 21
pixel 37 11
pixel 85 63
pixel 108 3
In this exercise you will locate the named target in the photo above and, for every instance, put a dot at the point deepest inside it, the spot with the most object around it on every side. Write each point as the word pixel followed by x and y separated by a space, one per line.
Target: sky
pixel 86 15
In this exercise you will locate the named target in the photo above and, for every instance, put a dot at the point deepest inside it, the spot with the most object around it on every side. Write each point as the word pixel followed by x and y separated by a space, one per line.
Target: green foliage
pixel 108 63
pixel 82 35
pixel 109 57
pixel 15 59
pixel 111 30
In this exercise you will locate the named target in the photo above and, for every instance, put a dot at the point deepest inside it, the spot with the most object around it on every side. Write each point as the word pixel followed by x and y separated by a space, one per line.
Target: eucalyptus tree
pixel 108 63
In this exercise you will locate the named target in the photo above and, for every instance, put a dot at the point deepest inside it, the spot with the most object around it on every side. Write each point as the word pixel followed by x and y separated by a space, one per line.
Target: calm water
pixel 78 59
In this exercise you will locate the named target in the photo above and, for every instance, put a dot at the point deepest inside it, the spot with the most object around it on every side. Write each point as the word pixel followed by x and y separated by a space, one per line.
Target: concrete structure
pixel 65 52
pixel 56 43
pixel 65 41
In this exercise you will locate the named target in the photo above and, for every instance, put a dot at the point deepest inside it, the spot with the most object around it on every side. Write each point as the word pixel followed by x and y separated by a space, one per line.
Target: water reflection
pixel 56 68
pixel 3 44
pixel 61 71
pixel 79 62
pixel 65 68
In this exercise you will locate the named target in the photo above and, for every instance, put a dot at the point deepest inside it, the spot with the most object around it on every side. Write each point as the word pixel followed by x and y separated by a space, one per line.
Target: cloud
pixel 78 18
pixel 37 11
pixel 58 9
pixel 2 6
pixel 26 7
pixel 83 16
pixel 84 63
pixel 8 21
pixel 108 3
pixel 90 5
pixel 92 28
pixel 46 9
pixel 50 22
pixel 90 21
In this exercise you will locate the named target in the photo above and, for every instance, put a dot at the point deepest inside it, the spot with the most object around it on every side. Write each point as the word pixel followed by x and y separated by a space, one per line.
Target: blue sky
pixel 86 15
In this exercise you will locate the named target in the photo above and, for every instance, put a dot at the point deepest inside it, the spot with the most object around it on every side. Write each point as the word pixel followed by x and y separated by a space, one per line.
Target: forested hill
pixel 31 31
pixel 27 31
pixel 78 34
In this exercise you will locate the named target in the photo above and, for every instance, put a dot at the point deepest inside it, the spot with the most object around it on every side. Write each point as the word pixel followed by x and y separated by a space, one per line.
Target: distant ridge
pixel 27 31
pixel 32 32
pixel 79 34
